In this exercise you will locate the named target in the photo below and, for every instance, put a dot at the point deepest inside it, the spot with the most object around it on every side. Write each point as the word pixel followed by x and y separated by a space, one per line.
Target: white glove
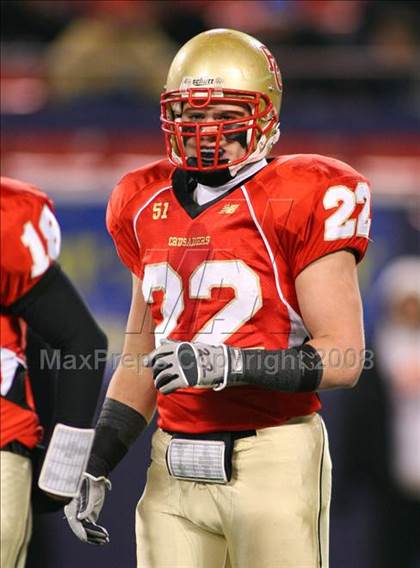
pixel 83 511
pixel 183 364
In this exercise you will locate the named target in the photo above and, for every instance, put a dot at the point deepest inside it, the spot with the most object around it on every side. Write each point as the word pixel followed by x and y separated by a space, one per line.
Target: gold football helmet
pixel 222 66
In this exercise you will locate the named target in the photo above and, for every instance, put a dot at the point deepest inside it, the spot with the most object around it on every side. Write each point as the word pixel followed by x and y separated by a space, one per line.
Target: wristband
pixel 117 428
pixel 298 369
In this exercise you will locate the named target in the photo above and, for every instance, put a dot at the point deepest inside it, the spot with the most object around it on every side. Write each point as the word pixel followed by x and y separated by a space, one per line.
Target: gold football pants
pixel 272 514
pixel 16 517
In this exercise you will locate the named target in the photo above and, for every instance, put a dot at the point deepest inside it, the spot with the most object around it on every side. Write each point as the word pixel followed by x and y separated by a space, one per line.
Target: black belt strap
pixel 17 448
pixel 234 435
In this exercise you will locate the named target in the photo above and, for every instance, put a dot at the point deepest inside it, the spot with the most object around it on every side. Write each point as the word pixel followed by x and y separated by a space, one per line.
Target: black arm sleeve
pixel 117 428
pixel 298 369
pixel 54 310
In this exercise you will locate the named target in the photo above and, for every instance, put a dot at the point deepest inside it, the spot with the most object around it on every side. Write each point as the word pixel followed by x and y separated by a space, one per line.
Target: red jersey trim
pixel 18 424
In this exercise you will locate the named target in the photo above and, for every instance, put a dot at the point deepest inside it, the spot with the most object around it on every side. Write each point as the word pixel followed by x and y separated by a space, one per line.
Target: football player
pixel 245 270
pixel 36 293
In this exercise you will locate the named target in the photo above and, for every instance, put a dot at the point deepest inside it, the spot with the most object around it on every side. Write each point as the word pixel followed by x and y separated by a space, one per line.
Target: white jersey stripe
pixel 144 207
pixel 298 332
pixel 9 363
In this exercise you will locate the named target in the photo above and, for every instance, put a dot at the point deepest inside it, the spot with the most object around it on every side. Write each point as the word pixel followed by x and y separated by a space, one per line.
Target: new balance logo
pixel 228 209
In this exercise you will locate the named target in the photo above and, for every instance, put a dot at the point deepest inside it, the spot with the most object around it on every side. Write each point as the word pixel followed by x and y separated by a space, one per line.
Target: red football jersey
pixel 225 272
pixel 30 240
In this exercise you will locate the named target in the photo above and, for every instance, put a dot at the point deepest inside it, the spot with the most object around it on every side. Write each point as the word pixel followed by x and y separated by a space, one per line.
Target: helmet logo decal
pixel 272 65
pixel 188 82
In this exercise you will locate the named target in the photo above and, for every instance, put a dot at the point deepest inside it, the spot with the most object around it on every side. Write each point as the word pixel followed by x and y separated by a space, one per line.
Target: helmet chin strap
pixel 261 151
pixel 210 178
pixel 220 177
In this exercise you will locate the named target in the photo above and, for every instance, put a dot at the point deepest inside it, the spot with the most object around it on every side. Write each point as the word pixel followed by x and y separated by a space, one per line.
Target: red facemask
pixel 248 130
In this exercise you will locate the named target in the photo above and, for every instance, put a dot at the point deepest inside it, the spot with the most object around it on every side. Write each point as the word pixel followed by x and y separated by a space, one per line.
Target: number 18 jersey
pixel 225 272
pixel 30 241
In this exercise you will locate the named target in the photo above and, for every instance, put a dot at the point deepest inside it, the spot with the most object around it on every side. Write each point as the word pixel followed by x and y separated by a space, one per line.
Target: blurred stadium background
pixel 80 91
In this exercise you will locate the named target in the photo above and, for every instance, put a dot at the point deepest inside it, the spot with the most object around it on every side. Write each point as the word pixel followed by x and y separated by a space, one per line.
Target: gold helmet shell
pixel 223 65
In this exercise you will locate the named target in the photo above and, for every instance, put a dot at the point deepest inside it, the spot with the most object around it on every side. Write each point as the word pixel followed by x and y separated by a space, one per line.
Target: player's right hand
pixel 183 364
pixel 83 511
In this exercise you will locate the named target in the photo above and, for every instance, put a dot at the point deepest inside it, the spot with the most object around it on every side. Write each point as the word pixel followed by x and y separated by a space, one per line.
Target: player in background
pixel 245 281
pixel 36 293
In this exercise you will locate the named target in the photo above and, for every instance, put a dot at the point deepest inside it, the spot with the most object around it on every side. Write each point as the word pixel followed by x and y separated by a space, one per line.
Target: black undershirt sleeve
pixel 54 310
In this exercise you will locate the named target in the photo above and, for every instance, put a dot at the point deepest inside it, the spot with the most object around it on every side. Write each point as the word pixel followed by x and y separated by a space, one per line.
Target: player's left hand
pixel 178 365
pixel 82 512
